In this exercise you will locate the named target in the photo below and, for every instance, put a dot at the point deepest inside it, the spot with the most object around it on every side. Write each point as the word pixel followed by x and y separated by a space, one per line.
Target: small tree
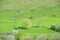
pixel 27 23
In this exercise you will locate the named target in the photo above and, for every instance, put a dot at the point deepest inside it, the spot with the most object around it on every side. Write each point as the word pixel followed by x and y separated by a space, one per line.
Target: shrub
pixel 53 27
pixel 27 23
pixel 56 28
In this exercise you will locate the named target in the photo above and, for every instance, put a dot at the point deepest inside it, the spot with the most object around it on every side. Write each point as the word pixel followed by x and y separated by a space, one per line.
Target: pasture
pixel 45 13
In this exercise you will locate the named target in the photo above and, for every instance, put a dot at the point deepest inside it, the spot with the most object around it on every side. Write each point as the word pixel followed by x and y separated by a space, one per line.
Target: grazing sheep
pixel 27 23
pixel 42 37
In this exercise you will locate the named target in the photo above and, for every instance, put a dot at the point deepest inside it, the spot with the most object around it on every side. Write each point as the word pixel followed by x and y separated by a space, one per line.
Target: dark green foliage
pixel 21 27
pixel 53 27
pixel 58 27
pixel 58 30
pixel 17 38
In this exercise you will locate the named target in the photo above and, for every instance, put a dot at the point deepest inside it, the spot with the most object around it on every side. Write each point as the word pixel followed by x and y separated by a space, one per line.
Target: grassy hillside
pixel 25 4
pixel 21 9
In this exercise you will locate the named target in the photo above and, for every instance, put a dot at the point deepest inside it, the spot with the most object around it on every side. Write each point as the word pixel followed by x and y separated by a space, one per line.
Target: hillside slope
pixel 26 4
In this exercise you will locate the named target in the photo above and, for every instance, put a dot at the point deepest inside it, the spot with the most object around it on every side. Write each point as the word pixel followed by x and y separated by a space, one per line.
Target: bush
pixel 53 27
pixel 56 28
pixel 27 23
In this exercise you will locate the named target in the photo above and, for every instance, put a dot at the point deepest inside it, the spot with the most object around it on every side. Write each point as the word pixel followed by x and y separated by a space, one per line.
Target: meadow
pixel 46 14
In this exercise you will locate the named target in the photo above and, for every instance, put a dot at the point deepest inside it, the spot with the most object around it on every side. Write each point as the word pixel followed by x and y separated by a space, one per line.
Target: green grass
pixel 8 11
pixel 46 22
pixel 37 31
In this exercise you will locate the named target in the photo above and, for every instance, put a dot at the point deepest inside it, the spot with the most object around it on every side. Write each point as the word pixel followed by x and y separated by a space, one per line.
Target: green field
pixel 20 9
